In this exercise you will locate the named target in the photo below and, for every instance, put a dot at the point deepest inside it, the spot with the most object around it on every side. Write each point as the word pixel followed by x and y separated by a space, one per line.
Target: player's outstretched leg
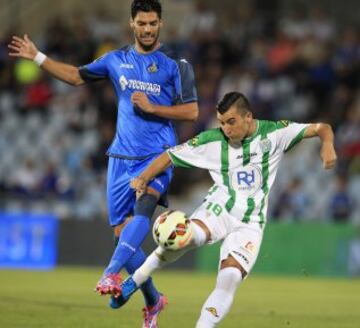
pixel 159 258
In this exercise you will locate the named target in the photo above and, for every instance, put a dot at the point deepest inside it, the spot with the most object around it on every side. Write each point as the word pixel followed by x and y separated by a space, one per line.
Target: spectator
pixel 292 203
pixel 341 205
pixel 26 180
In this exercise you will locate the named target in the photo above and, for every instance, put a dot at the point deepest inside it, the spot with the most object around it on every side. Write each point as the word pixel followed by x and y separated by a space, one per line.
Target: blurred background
pixel 297 60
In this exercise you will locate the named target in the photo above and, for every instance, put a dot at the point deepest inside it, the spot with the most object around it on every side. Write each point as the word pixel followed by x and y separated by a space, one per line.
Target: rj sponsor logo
pixel 247 180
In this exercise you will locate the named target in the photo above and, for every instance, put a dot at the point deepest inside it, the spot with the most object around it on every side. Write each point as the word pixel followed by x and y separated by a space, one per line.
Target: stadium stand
pixel 303 66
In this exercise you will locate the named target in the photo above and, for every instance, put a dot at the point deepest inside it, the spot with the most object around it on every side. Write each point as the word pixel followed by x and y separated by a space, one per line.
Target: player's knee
pixel 228 280
pixel 119 228
pixel 230 262
pixel 146 205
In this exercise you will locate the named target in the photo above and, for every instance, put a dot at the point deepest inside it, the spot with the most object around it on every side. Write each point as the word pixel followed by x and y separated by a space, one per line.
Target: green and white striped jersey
pixel 243 175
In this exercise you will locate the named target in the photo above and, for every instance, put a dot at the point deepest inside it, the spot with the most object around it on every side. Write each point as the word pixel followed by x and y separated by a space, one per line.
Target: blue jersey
pixel 166 80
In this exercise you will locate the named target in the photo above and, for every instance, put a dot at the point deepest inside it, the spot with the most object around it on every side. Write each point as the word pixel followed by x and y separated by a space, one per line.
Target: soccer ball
pixel 172 230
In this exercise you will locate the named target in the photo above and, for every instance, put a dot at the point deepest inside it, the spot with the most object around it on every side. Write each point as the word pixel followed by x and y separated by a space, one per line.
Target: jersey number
pixel 215 208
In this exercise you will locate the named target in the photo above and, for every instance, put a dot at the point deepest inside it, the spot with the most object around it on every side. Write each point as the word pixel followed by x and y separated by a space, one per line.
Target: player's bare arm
pixel 25 48
pixel 159 165
pixel 186 112
pixel 326 135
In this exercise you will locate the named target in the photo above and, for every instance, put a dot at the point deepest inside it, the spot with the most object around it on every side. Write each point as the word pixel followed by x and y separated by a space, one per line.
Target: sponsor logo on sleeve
pixel 194 141
pixel 284 122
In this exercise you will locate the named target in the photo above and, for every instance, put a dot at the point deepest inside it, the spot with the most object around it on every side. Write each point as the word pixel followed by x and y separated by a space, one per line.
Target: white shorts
pixel 240 240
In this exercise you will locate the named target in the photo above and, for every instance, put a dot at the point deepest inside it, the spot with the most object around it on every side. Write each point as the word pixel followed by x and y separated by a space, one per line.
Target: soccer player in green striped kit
pixel 242 157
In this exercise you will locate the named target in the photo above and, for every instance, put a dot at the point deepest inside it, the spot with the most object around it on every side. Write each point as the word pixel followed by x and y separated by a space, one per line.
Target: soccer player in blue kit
pixel 153 87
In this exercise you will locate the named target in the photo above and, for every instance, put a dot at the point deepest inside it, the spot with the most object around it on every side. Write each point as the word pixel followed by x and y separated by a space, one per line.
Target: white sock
pixel 161 257
pixel 220 300
pixel 151 263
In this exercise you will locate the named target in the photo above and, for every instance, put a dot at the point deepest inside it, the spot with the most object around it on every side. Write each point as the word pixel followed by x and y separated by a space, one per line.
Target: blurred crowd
pixel 303 66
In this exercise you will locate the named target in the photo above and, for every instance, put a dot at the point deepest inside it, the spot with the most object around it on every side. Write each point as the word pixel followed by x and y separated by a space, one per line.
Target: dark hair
pixel 146 6
pixel 233 98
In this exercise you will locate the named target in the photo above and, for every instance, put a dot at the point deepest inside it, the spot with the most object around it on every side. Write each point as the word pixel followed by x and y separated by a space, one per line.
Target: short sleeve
pixel 289 134
pixel 187 156
pixel 185 83
pixel 97 70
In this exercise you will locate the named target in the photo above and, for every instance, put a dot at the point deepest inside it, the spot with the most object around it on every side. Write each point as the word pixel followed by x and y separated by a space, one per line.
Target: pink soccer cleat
pixel 151 313
pixel 109 284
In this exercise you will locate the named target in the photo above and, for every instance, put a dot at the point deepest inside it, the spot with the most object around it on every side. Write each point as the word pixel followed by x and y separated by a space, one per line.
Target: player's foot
pixel 151 313
pixel 128 287
pixel 117 302
pixel 109 284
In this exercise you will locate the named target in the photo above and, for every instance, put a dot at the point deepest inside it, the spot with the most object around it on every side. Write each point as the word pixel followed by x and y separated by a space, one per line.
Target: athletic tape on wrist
pixel 39 58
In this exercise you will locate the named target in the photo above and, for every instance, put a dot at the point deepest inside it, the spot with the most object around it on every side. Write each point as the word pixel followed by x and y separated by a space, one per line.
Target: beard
pixel 144 46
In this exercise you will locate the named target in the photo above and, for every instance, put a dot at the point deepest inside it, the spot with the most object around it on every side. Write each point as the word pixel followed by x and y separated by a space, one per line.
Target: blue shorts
pixel 121 197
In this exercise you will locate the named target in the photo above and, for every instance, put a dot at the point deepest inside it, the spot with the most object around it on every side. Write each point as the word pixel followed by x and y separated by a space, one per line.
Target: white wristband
pixel 39 58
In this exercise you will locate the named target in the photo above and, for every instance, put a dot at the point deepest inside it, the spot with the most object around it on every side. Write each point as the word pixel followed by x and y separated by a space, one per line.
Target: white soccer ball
pixel 172 230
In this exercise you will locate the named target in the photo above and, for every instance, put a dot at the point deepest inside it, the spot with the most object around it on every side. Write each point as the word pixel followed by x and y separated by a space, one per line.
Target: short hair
pixel 146 6
pixel 233 99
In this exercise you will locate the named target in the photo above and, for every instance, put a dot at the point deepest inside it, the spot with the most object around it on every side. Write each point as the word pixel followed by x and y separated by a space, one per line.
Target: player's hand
pixel 22 47
pixel 141 100
pixel 328 155
pixel 139 184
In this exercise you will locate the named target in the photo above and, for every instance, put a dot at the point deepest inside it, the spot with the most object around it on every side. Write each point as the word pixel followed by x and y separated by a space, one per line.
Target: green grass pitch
pixel 64 298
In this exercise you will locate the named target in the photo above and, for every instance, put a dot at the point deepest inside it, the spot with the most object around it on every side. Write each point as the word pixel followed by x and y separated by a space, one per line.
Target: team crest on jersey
pixel 213 311
pixel 152 68
pixel 265 145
